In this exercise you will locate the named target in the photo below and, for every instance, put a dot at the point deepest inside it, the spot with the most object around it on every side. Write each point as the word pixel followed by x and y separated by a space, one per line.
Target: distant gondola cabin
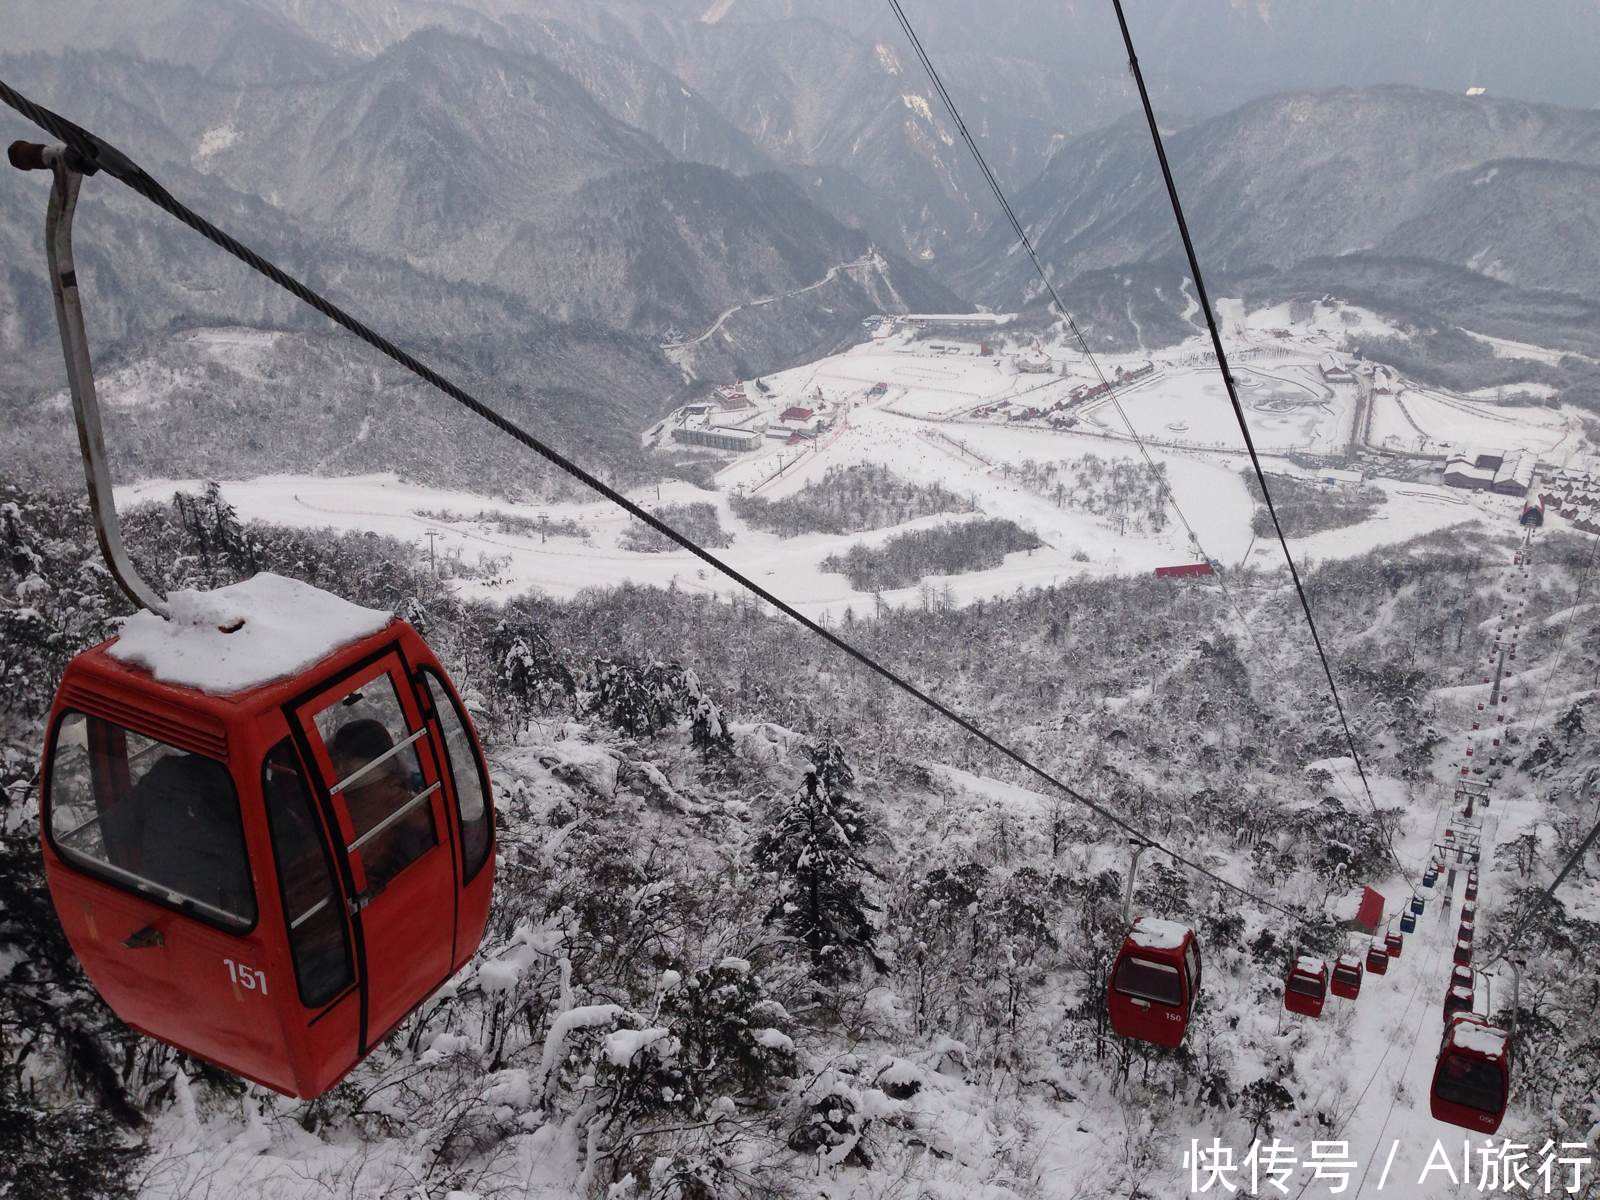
pixel 1306 990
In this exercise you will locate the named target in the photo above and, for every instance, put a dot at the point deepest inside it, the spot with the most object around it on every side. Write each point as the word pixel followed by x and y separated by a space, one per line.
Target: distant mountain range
pixel 1499 187
pixel 597 177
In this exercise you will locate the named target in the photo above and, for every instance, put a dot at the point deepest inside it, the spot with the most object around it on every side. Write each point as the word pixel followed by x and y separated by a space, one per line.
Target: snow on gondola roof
pixel 239 637
pixel 1479 1038
pixel 1312 966
pixel 1152 933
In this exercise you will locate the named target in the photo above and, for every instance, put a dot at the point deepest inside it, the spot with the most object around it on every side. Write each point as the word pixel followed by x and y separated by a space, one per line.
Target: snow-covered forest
pixel 762 929
pixel 1098 733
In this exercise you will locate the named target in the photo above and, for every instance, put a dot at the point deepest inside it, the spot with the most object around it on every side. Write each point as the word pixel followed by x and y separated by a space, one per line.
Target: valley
pixel 1016 444
pixel 1009 885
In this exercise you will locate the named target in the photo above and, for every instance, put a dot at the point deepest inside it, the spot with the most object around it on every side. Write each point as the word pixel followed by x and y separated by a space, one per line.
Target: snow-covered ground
pixel 1209 488
pixel 923 427
pixel 1287 404
pixel 1424 419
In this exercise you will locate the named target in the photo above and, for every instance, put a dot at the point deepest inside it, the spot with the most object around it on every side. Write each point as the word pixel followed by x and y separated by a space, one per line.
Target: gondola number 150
pixel 248 978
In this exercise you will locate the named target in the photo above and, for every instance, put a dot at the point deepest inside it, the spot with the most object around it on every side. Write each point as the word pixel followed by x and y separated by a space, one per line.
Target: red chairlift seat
pixel 1377 958
pixel 1346 980
pixel 1306 990
pixel 1472 1077
pixel 269 876
pixel 1155 982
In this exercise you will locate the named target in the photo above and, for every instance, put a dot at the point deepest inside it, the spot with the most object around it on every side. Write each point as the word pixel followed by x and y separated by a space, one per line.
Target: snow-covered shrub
pixel 70 1149
pixel 660 1094
pixel 835 1118
pixel 529 678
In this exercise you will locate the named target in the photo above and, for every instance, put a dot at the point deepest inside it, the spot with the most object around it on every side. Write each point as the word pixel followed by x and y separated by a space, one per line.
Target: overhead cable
pixel 1244 425
pixel 94 155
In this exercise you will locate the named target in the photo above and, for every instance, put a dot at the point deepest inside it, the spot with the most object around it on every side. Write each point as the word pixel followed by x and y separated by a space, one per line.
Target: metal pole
pixel 1139 847
pixel 80 369
pixel 1516 994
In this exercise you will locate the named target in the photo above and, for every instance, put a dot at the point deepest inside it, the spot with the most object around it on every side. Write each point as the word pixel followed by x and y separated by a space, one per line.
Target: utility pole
pixel 433 563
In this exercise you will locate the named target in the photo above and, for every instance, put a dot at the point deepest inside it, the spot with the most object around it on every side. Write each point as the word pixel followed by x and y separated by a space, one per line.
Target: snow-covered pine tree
pixel 225 550
pixel 528 674
pixel 812 850
pixel 708 728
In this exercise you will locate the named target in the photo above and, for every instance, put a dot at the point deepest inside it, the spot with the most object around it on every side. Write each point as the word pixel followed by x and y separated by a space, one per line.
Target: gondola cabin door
pixel 394 841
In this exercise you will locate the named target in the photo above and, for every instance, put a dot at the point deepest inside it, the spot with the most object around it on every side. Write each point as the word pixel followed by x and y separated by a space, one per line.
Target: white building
pixel 1509 472
pixel 717 438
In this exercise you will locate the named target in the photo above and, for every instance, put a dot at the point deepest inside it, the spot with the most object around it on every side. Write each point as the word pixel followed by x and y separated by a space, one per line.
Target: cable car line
pixel 1566 634
pixel 94 154
pixel 1244 426
pixel 1544 898
pixel 1060 307
pixel 1111 393
pixel 1027 244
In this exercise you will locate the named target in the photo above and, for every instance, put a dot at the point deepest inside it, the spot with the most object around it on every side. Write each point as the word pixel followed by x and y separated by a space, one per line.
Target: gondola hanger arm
pixel 68 168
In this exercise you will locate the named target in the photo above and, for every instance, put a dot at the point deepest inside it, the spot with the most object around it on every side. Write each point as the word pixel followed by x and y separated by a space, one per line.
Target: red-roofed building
pixel 796 414
pixel 1370 913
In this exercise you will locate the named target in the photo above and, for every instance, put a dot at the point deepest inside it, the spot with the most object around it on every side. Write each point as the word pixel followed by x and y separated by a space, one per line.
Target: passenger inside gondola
pixel 376 795
pixel 1149 980
pixel 1472 1082
pixel 190 837
pixel 153 817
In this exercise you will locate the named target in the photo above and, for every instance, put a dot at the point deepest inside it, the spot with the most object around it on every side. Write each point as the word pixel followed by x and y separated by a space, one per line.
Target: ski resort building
pixel 1333 370
pixel 708 424
pixel 949 324
pixel 717 437
pixel 1336 478
pixel 1509 472
pixel 1533 511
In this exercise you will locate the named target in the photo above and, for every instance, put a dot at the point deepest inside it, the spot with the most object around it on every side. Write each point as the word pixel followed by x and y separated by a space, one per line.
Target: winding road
pixel 870 259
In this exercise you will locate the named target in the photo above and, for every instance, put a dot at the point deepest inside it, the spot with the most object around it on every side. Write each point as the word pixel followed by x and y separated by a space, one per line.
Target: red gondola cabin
pixel 1306 990
pixel 267 828
pixel 1463 956
pixel 1347 977
pixel 1472 1078
pixel 1394 943
pixel 1457 1000
pixel 1155 982
pixel 1377 958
